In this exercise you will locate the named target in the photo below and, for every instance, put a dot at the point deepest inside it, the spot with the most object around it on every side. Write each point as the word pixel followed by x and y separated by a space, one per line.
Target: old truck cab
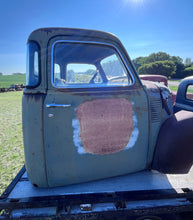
pixel 86 113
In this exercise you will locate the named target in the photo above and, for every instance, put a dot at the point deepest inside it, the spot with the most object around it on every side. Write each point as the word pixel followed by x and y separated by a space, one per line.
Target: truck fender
pixel 174 148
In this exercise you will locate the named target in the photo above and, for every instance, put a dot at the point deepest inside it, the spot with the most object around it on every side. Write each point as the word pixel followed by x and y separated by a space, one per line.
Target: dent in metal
pixel 105 126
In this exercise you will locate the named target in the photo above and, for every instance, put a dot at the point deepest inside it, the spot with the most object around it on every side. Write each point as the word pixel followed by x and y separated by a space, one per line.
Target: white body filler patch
pixel 78 143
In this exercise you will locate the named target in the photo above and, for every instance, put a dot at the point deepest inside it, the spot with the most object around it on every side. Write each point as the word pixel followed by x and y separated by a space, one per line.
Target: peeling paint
pixel 134 134
pixel 105 126
pixel 76 138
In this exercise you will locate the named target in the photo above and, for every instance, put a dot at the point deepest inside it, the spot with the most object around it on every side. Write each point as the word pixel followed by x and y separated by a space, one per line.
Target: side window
pixel 57 75
pixel 114 70
pixel 33 65
pixel 87 65
pixel 78 73
pixel 189 92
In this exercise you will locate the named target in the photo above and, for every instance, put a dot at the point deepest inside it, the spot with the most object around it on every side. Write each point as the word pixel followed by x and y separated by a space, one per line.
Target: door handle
pixel 53 105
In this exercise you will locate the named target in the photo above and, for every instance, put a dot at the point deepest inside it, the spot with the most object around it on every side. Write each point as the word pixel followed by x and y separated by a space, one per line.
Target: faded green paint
pixel 33 138
pixel 65 165
pixel 157 115
pixel 50 133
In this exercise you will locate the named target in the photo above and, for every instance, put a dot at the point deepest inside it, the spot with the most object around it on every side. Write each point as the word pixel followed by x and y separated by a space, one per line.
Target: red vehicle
pixel 184 88
pixel 155 78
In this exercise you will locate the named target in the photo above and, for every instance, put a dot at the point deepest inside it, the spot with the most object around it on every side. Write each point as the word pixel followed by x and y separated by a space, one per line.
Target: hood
pixel 159 91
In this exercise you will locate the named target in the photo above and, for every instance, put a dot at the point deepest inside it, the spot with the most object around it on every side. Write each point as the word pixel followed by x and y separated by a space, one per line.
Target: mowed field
pixel 11 139
pixel 7 80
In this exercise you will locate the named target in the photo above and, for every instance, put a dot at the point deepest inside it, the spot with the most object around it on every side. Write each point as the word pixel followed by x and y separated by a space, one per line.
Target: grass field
pixel 11 140
pixel 7 80
pixel 174 88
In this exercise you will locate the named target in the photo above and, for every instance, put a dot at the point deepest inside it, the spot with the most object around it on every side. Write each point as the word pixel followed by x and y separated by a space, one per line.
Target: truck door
pixel 95 114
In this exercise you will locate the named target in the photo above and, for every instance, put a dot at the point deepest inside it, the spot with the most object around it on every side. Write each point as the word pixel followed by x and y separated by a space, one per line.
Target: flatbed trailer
pixel 142 195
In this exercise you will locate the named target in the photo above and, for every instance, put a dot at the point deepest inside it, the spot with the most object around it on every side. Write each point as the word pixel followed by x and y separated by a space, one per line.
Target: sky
pixel 143 26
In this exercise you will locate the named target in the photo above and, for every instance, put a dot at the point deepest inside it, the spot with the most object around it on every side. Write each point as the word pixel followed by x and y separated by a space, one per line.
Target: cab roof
pixel 48 33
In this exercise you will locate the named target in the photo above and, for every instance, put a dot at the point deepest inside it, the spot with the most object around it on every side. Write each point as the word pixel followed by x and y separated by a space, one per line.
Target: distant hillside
pixel 7 80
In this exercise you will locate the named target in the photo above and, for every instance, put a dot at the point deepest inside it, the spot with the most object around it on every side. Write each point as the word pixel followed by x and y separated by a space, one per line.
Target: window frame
pixel 188 99
pixel 28 64
pixel 85 86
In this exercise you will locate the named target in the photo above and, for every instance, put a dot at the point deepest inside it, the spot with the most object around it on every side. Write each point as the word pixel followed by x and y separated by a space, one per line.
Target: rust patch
pixel 106 125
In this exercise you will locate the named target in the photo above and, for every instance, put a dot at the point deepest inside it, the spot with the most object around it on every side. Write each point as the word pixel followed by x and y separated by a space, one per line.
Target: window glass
pixel 189 92
pixel 114 70
pixel 32 72
pixel 81 73
pixel 87 65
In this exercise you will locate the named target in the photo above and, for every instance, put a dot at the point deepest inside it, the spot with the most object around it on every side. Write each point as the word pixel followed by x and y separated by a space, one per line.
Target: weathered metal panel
pixel 32 116
pixel 121 141
pixel 174 148
pixel 68 134
pixel 157 116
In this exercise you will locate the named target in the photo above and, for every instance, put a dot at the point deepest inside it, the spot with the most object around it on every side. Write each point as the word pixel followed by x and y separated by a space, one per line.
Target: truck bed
pixel 147 193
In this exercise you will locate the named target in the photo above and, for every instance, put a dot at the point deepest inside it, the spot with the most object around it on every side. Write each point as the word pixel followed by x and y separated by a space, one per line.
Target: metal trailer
pixel 142 195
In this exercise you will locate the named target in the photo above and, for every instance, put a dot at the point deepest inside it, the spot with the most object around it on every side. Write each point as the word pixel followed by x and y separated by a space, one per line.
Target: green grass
pixel 190 89
pixel 11 140
pixel 174 88
pixel 174 80
pixel 7 80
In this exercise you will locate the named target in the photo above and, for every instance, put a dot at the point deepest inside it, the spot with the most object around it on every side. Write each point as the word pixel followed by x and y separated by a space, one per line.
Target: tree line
pixel 1 74
pixel 162 63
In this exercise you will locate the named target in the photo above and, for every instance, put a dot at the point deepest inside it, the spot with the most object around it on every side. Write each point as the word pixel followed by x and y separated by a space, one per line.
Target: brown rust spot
pixel 106 125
